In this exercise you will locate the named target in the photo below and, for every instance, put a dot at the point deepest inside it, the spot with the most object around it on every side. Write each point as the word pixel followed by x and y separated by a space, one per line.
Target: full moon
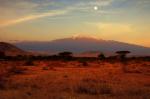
pixel 95 8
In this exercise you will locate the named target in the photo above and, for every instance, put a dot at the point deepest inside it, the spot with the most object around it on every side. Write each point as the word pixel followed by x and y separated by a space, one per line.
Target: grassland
pixel 75 80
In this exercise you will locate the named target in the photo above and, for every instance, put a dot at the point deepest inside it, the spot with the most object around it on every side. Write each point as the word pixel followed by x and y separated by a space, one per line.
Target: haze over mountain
pixel 83 44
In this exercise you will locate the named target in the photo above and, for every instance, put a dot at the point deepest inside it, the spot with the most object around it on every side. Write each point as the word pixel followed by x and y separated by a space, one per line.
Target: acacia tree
pixel 122 54
pixel 65 55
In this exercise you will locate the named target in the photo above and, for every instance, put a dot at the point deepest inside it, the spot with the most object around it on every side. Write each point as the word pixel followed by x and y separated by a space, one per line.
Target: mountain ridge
pixel 79 45
pixel 10 49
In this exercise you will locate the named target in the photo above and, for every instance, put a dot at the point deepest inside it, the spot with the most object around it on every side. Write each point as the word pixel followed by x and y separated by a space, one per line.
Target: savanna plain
pixel 60 79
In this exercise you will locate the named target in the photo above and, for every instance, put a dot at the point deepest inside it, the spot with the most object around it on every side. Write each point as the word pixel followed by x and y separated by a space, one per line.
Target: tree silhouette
pixel 65 55
pixel 122 54
pixel 101 56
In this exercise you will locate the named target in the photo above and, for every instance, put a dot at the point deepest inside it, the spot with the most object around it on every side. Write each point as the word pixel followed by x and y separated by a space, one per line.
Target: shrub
pixel 101 56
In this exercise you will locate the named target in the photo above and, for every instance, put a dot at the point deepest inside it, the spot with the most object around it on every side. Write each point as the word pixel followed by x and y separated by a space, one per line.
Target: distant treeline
pixel 68 56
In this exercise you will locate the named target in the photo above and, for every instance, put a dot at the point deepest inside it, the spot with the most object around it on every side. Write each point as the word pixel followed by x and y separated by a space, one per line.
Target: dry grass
pixel 70 80
pixel 92 87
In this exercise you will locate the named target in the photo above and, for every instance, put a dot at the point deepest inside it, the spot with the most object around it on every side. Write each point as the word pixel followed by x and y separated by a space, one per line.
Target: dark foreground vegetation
pixel 68 56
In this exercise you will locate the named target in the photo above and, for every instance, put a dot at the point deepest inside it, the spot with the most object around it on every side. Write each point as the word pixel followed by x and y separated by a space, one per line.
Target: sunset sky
pixel 45 20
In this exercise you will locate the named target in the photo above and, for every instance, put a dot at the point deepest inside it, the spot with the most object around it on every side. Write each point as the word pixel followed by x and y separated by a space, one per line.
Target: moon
pixel 96 8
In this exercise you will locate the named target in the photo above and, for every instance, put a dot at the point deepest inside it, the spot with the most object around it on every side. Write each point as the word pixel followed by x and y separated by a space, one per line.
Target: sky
pixel 45 20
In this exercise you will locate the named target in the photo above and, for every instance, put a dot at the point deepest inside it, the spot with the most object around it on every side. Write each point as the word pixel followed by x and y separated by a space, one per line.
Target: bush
pixel 101 56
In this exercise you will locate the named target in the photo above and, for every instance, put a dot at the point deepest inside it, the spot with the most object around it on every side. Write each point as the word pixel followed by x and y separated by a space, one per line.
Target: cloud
pixel 17 5
pixel 114 28
pixel 19 8
pixel 33 17
pixel 87 5
pixel 30 6
pixel 18 11
pixel 96 2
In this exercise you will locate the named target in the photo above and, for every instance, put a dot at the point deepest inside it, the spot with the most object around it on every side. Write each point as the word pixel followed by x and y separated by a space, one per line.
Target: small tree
pixel 64 54
pixel 101 56
pixel 122 54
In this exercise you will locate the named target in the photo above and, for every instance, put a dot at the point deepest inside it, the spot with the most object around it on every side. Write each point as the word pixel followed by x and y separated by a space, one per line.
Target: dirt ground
pixel 76 80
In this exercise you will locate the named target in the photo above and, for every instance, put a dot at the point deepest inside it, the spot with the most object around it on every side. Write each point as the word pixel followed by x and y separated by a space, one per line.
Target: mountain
pixel 10 49
pixel 84 44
